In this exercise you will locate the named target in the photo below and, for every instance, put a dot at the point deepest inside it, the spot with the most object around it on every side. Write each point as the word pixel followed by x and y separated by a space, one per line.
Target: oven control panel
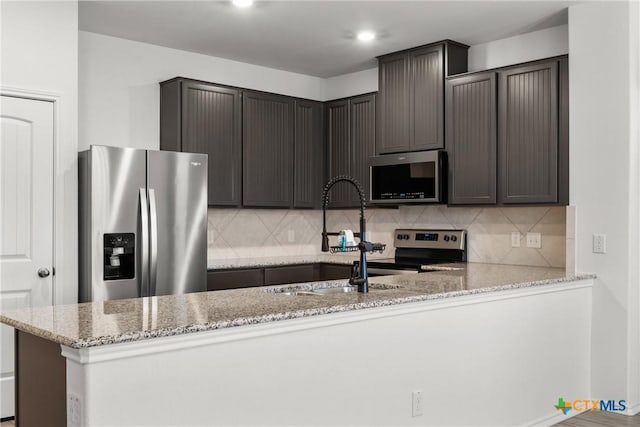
pixel 430 239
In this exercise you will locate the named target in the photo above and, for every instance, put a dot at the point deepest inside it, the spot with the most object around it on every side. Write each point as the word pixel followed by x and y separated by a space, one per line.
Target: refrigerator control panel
pixel 119 256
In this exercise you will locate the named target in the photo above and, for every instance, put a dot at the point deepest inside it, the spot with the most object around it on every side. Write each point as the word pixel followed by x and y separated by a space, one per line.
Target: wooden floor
pixel 8 424
pixel 599 419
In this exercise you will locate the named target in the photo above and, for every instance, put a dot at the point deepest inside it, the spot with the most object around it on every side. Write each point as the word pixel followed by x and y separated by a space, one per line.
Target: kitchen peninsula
pixel 467 335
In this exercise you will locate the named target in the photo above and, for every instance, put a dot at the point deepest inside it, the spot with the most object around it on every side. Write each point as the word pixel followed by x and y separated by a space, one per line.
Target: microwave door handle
pixel 144 244
pixel 153 226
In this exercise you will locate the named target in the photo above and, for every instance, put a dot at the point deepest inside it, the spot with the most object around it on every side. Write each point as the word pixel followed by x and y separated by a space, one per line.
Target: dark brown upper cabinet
pixel 411 96
pixel 202 118
pixel 267 135
pixel 351 125
pixel 472 139
pixel 309 154
pixel 528 133
pixel 508 135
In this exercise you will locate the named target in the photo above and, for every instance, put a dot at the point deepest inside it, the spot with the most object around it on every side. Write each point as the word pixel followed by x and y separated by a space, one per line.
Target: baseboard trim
pixel 7 419
pixel 633 410
pixel 552 419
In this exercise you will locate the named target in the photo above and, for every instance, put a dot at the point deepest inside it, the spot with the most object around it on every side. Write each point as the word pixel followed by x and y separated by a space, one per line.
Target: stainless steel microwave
pixel 418 177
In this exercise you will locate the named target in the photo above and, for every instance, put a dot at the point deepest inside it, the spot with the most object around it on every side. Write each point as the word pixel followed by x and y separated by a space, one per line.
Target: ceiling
pixel 315 37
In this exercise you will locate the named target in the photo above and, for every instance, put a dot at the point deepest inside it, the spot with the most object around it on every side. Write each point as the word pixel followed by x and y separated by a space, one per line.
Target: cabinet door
pixel 394 111
pixel 290 274
pixel 528 134
pixel 472 139
pixel 267 150
pixel 335 271
pixel 340 152
pixel 427 98
pixel 211 125
pixel 232 279
pixel 363 133
pixel 309 169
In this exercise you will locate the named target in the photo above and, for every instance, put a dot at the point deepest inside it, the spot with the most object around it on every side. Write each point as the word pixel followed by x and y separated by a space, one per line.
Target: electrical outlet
pixel 291 236
pixel 515 239
pixel 74 415
pixel 599 243
pixel 534 240
pixel 416 403
pixel 210 237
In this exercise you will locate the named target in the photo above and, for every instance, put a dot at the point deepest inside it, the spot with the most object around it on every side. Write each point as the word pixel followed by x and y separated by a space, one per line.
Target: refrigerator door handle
pixel 144 244
pixel 153 227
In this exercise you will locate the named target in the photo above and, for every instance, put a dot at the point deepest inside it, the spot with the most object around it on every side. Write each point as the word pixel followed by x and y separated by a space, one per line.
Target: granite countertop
pixel 109 322
pixel 214 264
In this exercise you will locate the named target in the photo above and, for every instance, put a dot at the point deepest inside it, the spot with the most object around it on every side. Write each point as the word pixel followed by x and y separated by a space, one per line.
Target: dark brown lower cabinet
pixel 277 275
pixel 334 271
pixel 290 274
pixel 230 279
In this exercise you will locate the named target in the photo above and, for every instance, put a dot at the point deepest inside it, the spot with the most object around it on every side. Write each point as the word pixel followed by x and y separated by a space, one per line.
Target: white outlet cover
pixel 534 240
pixel 291 236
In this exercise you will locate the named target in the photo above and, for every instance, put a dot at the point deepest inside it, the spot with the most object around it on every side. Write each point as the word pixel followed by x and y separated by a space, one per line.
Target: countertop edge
pixel 268 318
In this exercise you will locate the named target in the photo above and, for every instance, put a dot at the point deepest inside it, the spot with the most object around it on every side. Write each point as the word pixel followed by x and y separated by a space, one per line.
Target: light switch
pixel 515 239
pixel 599 244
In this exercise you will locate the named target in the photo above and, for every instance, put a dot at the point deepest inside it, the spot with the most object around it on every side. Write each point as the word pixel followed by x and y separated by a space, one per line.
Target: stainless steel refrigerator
pixel 142 223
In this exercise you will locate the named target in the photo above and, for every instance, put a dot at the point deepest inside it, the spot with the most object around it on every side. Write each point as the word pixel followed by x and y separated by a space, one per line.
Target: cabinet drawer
pixel 231 279
pixel 289 274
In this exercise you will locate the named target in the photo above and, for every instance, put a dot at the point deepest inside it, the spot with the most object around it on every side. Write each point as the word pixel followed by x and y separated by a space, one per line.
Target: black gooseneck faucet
pixel 358 278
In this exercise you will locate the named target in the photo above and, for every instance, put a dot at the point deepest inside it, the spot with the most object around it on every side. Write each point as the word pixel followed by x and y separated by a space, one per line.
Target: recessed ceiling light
pixel 366 36
pixel 242 3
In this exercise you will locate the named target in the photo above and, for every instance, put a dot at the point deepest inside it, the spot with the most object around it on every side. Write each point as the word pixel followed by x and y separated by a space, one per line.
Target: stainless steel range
pixel 417 249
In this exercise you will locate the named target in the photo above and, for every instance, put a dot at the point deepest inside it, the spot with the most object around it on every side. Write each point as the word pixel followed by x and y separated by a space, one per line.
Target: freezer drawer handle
pixel 153 218
pixel 144 251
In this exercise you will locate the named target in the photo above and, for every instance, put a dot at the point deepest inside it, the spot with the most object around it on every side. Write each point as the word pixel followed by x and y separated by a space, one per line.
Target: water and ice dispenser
pixel 119 256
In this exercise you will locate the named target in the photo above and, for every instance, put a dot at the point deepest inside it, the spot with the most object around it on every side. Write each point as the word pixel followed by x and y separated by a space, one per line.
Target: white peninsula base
pixel 499 358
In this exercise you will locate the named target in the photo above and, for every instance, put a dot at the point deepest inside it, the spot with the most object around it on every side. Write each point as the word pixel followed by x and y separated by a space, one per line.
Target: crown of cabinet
pixel 411 100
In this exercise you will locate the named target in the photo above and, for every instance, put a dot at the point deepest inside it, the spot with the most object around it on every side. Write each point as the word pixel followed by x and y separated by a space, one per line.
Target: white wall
pixel 120 96
pixel 351 84
pixel 39 57
pixel 525 47
pixel 604 184
pixel 40 52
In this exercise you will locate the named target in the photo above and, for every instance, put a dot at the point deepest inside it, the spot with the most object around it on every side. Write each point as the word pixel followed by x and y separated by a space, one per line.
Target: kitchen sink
pixel 338 290
pixel 332 290
pixel 317 292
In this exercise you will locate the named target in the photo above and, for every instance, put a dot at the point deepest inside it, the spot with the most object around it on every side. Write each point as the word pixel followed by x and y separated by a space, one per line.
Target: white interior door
pixel 26 219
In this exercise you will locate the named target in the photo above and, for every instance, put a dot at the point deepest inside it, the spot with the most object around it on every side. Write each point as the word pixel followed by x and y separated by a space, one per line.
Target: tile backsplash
pixel 249 233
